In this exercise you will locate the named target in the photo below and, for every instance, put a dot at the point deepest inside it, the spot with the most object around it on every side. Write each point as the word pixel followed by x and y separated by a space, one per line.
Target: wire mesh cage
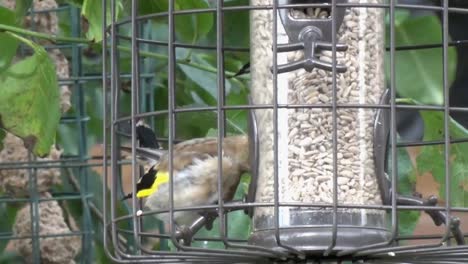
pixel 45 202
pixel 317 164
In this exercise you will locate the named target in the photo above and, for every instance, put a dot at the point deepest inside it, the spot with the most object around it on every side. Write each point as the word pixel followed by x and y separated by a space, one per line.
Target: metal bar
pixel 33 199
pixel 445 38
pixel 454 43
pixel 190 46
pixel 65 197
pixel 135 93
pixel 220 118
pixel 296 204
pixel 82 142
pixel 275 122
pixel 105 175
pixel 113 116
pixel 171 64
pixel 393 136
pixel 302 5
pixel 37 236
pixel 290 106
pixel 69 165
pixel 34 213
pixel 275 132
pixel 329 250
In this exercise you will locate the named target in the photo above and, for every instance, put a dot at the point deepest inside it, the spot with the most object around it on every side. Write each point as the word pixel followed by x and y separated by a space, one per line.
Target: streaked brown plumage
pixel 195 167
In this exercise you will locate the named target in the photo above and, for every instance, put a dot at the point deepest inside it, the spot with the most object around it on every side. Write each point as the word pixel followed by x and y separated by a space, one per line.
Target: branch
pixel 52 38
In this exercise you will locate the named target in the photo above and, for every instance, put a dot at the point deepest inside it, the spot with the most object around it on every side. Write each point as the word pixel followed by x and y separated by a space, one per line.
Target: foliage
pixel 406 183
pixel 239 224
pixel 92 11
pixel 29 105
pixel 432 158
pixel 423 86
pixel 425 82
pixel 9 43
pixel 22 7
pixel 197 86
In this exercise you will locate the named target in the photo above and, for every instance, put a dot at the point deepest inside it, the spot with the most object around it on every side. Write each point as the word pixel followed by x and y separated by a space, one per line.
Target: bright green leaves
pixel 419 71
pixel 8 44
pixel 238 226
pixel 2 136
pixel 21 9
pixel 205 80
pixel 29 96
pixel 29 99
pixel 92 11
pixel 406 186
pixel 432 159
pixel 419 79
pixel 189 27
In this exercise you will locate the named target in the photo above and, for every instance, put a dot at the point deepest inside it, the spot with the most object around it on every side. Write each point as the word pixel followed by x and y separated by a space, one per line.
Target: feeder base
pixel 315 240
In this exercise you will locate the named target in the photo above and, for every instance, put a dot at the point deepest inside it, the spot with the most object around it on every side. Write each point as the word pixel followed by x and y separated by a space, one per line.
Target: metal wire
pixel 393 250
pixel 78 163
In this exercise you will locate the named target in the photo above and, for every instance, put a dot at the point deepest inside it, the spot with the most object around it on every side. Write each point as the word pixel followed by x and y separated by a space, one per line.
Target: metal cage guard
pixel 312 40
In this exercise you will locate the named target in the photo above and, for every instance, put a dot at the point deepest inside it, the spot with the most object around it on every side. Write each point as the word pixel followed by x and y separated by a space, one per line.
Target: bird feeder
pixel 323 132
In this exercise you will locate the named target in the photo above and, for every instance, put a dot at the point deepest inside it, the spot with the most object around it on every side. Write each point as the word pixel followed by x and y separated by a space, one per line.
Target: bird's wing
pixel 146 136
pixel 181 160
pixel 195 183
pixel 150 154
pixel 146 155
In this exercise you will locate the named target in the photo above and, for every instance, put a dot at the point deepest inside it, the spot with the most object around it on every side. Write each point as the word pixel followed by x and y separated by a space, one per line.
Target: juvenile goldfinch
pixel 195 182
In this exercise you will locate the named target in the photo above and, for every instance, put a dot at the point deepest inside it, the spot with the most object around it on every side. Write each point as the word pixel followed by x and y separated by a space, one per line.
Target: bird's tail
pixel 149 148
pixel 146 136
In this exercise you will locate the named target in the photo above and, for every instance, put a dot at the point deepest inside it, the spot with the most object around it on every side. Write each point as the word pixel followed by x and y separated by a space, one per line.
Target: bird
pixel 195 170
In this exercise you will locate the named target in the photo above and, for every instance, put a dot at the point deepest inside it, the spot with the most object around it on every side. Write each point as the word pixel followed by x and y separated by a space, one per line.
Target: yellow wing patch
pixel 161 178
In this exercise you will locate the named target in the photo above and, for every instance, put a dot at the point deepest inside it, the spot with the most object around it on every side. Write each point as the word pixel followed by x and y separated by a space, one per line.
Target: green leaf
pixel 419 72
pixel 432 159
pixel 401 15
pixel 29 99
pixel 406 183
pixel 407 222
pixel 238 25
pixel 7 219
pixel 22 7
pixel 236 28
pixel 64 24
pixel 206 80
pixel 406 173
pixel 192 27
pixel 189 27
pixel 8 44
pixel 92 11
pixel 11 257
pixel 152 6
pixel 212 132
pixel 239 224
pixel 2 136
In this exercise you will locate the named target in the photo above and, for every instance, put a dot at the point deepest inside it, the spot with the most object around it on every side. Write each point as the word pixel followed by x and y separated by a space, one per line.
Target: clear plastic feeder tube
pixel 305 149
